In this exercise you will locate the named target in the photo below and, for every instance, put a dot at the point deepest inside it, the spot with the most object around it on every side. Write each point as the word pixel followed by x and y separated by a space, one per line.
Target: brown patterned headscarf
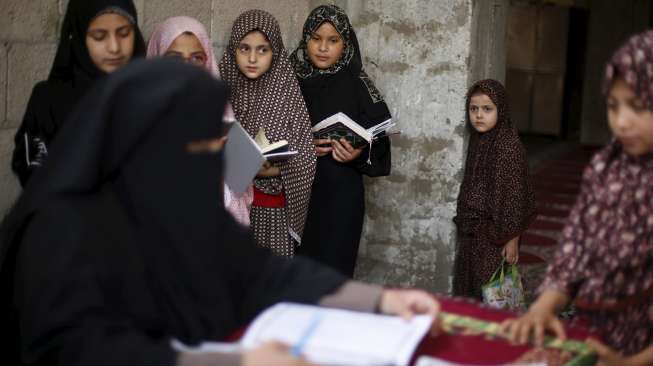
pixel 633 62
pixel 496 197
pixel 274 102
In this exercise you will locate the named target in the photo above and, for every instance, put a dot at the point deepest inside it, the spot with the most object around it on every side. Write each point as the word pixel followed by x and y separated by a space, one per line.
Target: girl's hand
pixel 321 151
pixel 272 354
pixel 343 152
pixel 268 170
pixel 607 356
pixel 535 321
pixel 511 251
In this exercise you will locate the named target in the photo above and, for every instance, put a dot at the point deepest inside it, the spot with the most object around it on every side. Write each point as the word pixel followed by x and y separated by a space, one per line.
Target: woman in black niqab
pixel 122 242
pixel 72 74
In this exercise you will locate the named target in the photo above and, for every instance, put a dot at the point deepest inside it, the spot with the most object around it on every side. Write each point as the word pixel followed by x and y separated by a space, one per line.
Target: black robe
pixel 72 74
pixel 122 242
pixel 337 209
pixel 335 215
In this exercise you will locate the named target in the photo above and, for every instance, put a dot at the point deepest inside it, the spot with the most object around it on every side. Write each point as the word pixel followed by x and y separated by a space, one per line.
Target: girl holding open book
pixel 495 203
pixel 266 99
pixel 186 39
pixel 330 71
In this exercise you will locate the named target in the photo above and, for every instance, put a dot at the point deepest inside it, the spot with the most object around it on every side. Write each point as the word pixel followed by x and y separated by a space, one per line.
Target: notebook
pixel 330 337
pixel 339 337
pixel 243 159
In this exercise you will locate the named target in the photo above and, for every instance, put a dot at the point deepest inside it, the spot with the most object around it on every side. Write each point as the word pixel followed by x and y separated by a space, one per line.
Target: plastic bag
pixel 504 290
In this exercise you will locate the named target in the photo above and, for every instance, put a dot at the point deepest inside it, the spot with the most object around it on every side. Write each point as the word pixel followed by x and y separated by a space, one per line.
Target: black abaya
pixel 336 212
pixel 122 243
pixel 72 74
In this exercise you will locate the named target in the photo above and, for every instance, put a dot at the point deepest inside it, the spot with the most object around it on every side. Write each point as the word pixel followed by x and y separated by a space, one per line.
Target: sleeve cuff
pixel 355 296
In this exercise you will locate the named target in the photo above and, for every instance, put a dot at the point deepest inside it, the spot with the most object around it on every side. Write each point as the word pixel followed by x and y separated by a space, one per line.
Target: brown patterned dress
pixel 495 202
pixel 274 103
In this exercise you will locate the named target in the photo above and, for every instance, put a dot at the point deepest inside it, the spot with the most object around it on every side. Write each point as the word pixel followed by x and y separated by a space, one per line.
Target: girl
pixel 330 71
pixel 97 37
pixel 112 262
pixel 186 38
pixel 605 260
pixel 265 96
pixel 495 203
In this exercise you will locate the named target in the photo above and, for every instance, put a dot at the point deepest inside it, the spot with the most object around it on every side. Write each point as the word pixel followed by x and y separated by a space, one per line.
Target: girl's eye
pixel 335 40
pixel 315 38
pixel 124 32
pixel 243 48
pixel 198 60
pixel 263 50
pixel 487 109
pixel 98 36
pixel 473 109
pixel 638 106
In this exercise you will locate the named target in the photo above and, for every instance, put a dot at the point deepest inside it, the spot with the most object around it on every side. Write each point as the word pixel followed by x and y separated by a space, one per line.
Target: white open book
pixel 333 337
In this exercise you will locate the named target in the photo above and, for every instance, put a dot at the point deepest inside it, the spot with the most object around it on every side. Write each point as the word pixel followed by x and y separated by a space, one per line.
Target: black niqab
pixel 122 241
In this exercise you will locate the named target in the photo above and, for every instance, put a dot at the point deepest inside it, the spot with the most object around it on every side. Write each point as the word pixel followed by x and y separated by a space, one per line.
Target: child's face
pixel 630 122
pixel 254 55
pixel 482 112
pixel 325 46
pixel 110 41
pixel 188 48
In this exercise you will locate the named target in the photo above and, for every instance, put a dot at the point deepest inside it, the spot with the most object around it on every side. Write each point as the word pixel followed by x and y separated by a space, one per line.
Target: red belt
pixel 262 199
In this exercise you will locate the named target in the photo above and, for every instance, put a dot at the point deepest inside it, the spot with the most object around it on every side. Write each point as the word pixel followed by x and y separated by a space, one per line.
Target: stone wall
pixel 419 53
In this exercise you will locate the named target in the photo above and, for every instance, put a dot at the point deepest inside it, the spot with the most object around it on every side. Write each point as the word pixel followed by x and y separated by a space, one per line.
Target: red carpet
pixel 556 183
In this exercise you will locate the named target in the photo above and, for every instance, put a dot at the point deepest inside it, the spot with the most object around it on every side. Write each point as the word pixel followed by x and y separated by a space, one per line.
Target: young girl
pixel 97 37
pixel 186 38
pixel 605 260
pixel 495 203
pixel 330 71
pixel 265 96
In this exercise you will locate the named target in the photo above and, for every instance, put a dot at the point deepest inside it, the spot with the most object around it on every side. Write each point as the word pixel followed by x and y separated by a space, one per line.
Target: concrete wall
pixel 419 53
pixel 611 23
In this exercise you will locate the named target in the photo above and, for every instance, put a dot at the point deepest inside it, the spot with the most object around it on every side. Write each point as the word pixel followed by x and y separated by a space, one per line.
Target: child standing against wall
pixel 495 203
pixel 265 96
pixel 330 70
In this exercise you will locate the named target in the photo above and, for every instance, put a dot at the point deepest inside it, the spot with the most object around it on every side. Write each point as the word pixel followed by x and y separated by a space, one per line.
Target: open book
pixel 273 151
pixel 339 126
pixel 331 337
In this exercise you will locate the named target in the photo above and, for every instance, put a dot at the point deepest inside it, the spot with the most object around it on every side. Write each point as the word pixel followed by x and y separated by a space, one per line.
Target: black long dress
pixel 121 242
pixel 72 74
pixel 335 215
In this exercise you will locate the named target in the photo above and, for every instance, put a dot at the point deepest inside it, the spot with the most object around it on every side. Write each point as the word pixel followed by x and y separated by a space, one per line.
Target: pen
pixel 297 349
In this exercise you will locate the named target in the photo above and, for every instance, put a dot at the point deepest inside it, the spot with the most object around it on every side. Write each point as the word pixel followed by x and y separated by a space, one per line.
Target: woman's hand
pixel 540 318
pixel 343 152
pixel 511 250
pixel 407 303
pixel 272 354
pixel 320 150
pixel 268 170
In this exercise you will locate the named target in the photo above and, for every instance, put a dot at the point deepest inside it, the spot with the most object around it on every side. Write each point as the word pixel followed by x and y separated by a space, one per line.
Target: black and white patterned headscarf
pixel 351 56
pixel 274 102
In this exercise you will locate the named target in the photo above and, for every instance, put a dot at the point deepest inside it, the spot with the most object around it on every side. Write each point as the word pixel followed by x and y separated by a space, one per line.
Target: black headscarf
pixel 198 275
pixel 327 91
pixel 72 74
pixel 72 61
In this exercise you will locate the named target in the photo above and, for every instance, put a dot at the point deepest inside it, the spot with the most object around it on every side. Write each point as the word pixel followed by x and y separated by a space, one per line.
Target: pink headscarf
pixel 168 30
pixel 164 35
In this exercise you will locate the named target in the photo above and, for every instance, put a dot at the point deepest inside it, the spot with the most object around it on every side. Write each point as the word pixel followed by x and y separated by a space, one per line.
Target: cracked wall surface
pixel 417 51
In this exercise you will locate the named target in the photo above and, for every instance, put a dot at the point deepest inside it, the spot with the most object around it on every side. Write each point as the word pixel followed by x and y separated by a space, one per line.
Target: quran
pixel 340 126
pixel 273 151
